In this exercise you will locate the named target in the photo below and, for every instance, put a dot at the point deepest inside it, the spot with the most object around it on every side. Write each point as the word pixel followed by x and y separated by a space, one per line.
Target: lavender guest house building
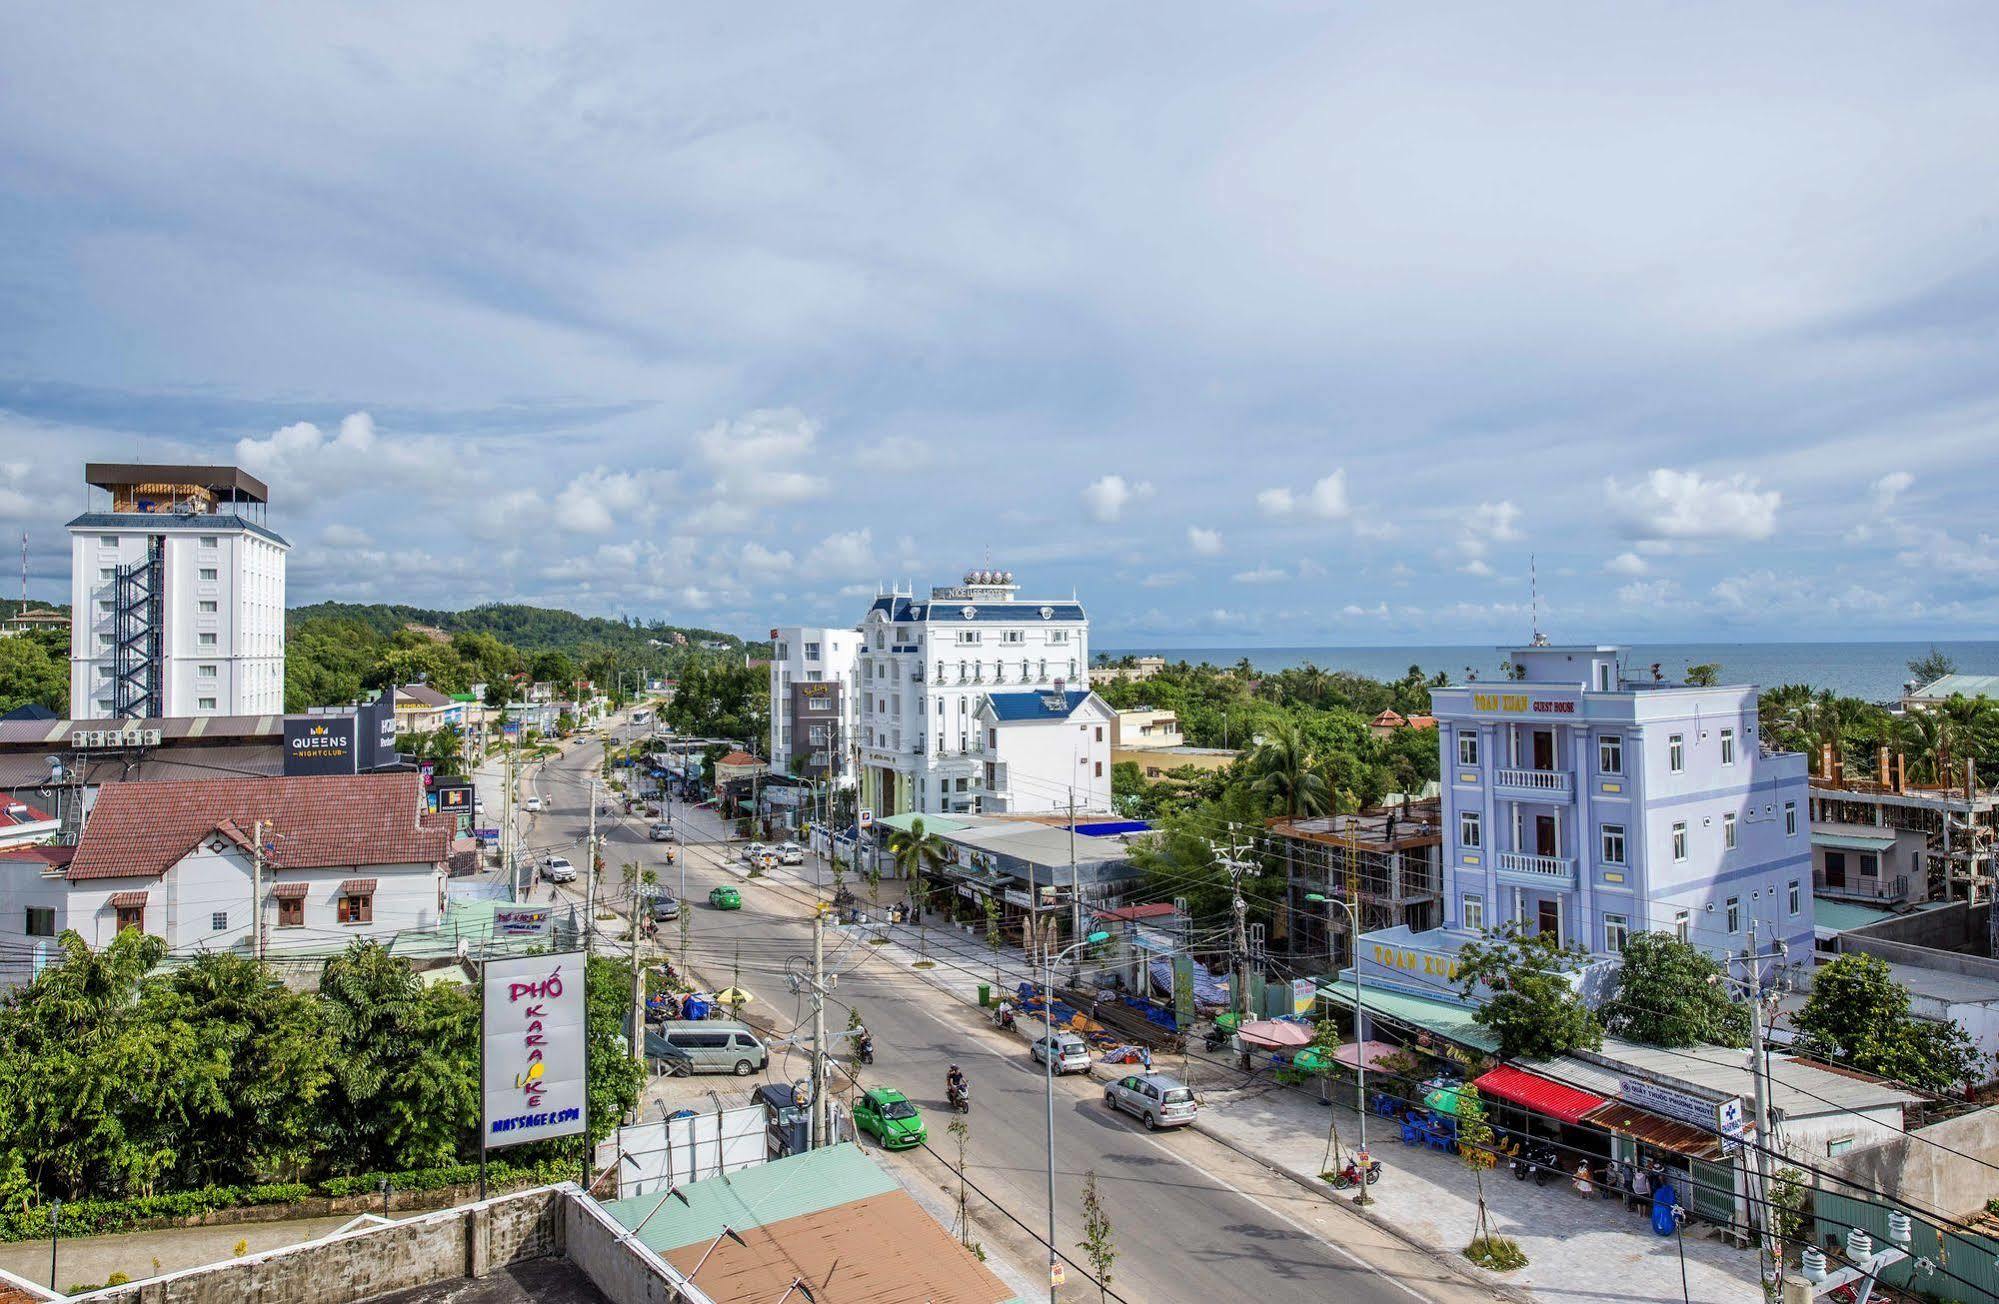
pixel 1586 804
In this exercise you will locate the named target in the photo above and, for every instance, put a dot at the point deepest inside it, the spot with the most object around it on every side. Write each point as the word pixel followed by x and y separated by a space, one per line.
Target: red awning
pixel 290 891
pixel 1537 1094
pixel 357 887
pixel 127 900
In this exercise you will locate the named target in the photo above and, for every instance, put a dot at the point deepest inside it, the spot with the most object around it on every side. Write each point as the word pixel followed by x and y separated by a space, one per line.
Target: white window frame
pixel 1467 747
pixel 1616 933
pixel 1612 854
pixel 1728 746
pixel 1676 753
pixel 1473 912
pixel 1610 754
pixel 1471 829
pixel 1732 912
pixel 205 704
pixel 1790 819
pixel 1680 842
pixel 1683 925
pixel 1793 899
pixel 1728 831
pixel 207 574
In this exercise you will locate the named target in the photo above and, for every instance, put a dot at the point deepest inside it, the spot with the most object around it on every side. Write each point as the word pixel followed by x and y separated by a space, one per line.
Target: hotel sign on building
pixel 1540 703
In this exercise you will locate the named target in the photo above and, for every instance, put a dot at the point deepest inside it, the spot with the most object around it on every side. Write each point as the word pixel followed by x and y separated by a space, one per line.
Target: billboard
pixel 521 921
pixel 320 744
pixel 532 1049
pixel 375 732
pixel 678 1151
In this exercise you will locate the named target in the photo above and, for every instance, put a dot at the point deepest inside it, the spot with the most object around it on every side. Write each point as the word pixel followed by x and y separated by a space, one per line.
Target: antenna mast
pixel 1534 602
pixel 24 570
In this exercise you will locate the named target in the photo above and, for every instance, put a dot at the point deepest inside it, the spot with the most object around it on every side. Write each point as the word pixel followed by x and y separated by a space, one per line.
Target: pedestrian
pixel 1145 1057
pixel 1582 1184
pixel 1641 1190
pixel 1616 1179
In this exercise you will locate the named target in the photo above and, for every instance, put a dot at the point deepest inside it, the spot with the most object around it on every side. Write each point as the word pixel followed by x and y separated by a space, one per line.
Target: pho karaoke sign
pixel 533 1044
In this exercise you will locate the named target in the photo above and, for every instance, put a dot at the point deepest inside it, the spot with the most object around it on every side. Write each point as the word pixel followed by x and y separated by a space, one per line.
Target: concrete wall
pixel 625 1270
pixel 1957 926
pixel 466 1241
pixel 1926 1177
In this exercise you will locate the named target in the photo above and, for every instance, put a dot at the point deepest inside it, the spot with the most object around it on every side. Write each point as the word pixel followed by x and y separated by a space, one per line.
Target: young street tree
pixel 1531 1004
pixel 1098 1245
pixel 1670 994
pixel 914 852
pixel 1859 1015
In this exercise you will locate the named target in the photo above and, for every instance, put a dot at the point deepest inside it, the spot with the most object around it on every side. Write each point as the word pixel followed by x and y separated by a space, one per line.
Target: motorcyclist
pixel 955 1085
pixel 864 1045
pixel 1003 1016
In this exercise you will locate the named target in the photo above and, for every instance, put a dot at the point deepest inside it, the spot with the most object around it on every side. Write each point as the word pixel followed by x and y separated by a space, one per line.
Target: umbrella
pixel 1444 1100
pixel 1376 1051
pixel 1275 1034
pixel 733 996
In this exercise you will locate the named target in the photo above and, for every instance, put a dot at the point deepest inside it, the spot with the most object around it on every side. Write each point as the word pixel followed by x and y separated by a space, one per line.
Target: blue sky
pixel 1255 323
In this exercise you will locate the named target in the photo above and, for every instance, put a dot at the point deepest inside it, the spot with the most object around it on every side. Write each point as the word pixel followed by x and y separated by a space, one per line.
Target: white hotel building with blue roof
pixel 961 697
pixel 1582 803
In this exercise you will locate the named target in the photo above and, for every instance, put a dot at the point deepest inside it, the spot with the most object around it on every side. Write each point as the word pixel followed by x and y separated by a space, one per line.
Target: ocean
pixel 1873 671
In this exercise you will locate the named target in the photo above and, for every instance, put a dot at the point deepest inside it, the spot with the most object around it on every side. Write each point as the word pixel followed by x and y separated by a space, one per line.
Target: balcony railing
pixel 1552 867
pixel 1872 887
pixel 1550 783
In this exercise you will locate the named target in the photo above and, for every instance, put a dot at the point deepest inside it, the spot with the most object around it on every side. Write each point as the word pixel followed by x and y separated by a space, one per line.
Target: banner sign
pixel 319 744
pixel 533 1045
pixel 521 921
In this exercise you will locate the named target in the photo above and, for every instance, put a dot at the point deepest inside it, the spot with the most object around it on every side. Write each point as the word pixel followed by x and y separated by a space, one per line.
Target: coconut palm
pixel 915 851
pixel 1287 774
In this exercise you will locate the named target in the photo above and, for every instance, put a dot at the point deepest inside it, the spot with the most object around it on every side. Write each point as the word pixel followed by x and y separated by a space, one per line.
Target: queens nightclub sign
pixel 533 1041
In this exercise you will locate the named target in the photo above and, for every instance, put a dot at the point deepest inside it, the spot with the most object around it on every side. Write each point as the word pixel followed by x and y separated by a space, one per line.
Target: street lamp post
pixel 1360 1039
pixel 1049 959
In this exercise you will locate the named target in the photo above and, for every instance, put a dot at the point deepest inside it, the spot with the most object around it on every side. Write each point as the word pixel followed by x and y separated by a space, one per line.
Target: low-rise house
pixel 1872 863
pixel 1145 727
pixel 285 863
pixel 1046 752
pixel 1391 721
pixel 422 709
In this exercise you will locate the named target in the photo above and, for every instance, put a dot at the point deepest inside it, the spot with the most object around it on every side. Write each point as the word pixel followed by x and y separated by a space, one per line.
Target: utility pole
pixel 257 889
pixel 1233 860
pixel 638 985
pixel 590 869
pixel 1075 885
pixel 1759 1054
pixel 819 1114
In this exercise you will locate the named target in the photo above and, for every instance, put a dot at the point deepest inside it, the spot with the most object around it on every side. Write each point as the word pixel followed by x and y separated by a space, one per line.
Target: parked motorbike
pixel 1539 1161
pixel 1003 1016
pixel 1350 1176
pixel 1216 1038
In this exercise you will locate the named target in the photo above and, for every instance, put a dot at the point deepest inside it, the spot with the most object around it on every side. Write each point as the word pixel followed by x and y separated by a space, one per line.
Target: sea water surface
pixel 1874 671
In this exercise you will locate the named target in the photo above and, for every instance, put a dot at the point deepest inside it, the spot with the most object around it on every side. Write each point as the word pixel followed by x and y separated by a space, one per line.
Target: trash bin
pixel 985 995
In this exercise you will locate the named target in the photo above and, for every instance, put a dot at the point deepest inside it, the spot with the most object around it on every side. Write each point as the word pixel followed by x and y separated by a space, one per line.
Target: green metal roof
pixel 931 823
pixel 1969 685
pixel 1451 1022
pixel 1855 841
pixel 1840 916
pixel 470 921
pixel 790 1187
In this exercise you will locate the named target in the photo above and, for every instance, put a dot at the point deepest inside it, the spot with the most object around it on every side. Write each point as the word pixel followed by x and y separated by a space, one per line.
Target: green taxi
pixel 726 898
pixel 886 1115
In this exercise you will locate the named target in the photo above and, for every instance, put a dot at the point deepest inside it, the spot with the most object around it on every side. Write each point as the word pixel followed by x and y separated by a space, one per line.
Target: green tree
pixel 1099 1243
pixel 31 676
pixel 1931 666
pixel 1670 993
pixel 1531 1004
pixel 914 852
pixel 1286 772
pixel 1705 675
pixel 1477 1149
pixel 1858 1015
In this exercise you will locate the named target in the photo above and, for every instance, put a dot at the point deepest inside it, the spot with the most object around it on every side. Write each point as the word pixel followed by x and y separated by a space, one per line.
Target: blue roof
pixel 161 522
pixel 1036 706
pixel 903 610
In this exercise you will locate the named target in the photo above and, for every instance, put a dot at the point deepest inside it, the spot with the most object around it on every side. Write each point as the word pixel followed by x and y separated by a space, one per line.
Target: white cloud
pixel 1495 521
pixel 1377 612
pixel 304 455
pixel 1163 579
pixel 895 454
pixel 1309 569
pixel 1648 593
pixel 1891 487
pixel 593 501
pixel 1276 502
pixel 1476 566
pixel 1669 504
pixel 756 457
pixel 848 552
pixel 1108 496
pixel 1204 541
pixel 1261 575
pixel 1626 563
pixel 1753 590
pixel 1327 499
pixel 345 536
pixel 760 560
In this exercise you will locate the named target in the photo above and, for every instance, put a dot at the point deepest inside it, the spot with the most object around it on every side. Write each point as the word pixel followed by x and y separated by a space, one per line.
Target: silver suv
pixel 1159 1100
pixel 1071 1053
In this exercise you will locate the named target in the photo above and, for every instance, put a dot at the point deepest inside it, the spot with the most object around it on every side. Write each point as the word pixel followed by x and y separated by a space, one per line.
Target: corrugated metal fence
pixel 1969 1265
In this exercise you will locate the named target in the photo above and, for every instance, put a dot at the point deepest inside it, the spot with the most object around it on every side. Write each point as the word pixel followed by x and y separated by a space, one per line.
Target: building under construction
pixel 1956 820
pixel 1385 860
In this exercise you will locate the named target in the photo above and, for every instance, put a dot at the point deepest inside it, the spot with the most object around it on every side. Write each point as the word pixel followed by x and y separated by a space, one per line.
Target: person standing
pixel 1582 1182
pixel 1641 1189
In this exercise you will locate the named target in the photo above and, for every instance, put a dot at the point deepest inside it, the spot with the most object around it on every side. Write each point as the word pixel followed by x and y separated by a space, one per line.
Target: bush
pixel 1499 1253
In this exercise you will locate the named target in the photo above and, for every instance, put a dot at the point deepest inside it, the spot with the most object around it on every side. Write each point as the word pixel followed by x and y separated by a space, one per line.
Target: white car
pixel 754 852
pixel 791 853
pixel 533 805
pixel 559 870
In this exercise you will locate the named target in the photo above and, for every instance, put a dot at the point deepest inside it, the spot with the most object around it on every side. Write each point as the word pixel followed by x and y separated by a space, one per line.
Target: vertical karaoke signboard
pixel 533 1050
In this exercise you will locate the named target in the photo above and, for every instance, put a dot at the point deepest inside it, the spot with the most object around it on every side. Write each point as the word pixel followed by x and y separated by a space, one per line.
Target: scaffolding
pixel 1386 860
pixel 1958 822
pixel 136 596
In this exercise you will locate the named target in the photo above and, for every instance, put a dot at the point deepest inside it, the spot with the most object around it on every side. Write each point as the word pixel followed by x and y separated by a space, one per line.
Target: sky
pixel 1251 324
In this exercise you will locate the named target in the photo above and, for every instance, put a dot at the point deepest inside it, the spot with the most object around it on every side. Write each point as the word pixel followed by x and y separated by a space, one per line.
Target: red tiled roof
pixel 290 891
pixel 127 899
pixel 738 759
pixel 1387 718
pixel 314 822
pixel 44 855
pixel 1538 1094
pixel 1149 910
pixel 21 813
pixel 357 887
pixel 1422 722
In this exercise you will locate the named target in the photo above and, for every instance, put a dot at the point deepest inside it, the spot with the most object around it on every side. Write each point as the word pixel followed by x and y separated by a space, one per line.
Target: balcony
pixel 1534 785
pixel 1552 871
pixel 1861 887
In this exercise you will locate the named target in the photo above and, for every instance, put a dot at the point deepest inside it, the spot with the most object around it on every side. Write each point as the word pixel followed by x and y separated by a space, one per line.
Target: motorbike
pixel 1216 1038
pixel 1004 1017
pixel 1537 1161
pixel 960 1098
pixel 865 1048
pixel 1350 1176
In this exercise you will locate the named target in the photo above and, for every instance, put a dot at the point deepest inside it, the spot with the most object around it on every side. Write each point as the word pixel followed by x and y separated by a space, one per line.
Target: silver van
pixel 682 1046
pixel 1157 1099
pixel 1072 1053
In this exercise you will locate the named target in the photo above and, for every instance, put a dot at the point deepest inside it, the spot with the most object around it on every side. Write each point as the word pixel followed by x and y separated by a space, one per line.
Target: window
pixel 204 704
pixel 1680 840
pixel 1100 769
pixel 1616 932
pixel 1735 914
pixel 1613 844
pixel 206 574
pixel 131 917
pixel 1468 828
pixel 811 651
pixel 1610 754
pixel 107 540
pixel 1682 926
pixel 1676 753
pixel 966 636
pixel 104 574
pixel 1790 819
pixel 1838 1145
pixel 1474 913
pixel 1870 865
pixel 1467 747
pixel 219 921
pixel 1728 831
pixel 1058 636
pixel 1728 747
pixel 208 541
pixel 205 607
pixel 1100 733
pixel 1013 636
pixel 41 921
pixel 1793 902
pixel 357 908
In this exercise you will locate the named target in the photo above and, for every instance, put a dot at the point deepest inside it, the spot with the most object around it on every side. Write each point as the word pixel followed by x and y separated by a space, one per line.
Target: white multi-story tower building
pixel 177 596
pixel 812 702
pixel 925 668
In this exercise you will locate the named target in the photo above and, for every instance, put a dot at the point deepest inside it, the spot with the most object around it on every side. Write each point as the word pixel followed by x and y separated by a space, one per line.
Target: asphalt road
pixel 1193 1220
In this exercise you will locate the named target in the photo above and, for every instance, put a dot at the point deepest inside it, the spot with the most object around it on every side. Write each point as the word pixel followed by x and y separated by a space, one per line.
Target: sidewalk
pixel 1578 1250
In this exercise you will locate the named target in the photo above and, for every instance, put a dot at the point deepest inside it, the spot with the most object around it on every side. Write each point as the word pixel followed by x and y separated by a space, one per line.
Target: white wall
pixel 1037 762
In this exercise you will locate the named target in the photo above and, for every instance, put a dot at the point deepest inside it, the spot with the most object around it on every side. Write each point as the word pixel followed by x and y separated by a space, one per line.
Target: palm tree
pixel 913 852
pixel 1286 773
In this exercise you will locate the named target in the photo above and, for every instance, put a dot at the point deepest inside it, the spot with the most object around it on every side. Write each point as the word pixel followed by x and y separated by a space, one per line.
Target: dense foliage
pixel 1933 742
pixel 1858 1015
pixel 119 1078
pixel 1670 993
pixel 720 697
pixel 34 671
pixel 1531 1002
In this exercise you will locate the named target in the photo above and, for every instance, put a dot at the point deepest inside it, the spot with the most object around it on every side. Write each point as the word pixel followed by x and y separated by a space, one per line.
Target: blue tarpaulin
pixel 1208 990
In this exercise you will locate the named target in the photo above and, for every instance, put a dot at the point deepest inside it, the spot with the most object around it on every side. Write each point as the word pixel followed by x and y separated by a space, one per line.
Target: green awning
pixel 1453 1023
pixel 931 823
pixel 1854 841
